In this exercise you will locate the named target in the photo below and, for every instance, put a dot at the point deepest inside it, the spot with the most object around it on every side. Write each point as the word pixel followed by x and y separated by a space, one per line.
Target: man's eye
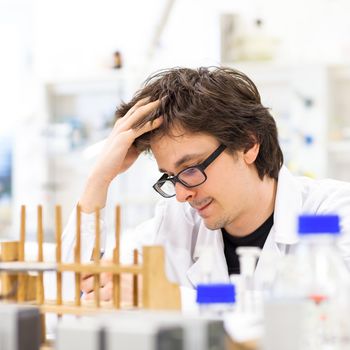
pixel 189 171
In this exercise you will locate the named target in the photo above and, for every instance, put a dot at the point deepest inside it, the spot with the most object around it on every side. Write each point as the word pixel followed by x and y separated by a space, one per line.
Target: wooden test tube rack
pixel 157 292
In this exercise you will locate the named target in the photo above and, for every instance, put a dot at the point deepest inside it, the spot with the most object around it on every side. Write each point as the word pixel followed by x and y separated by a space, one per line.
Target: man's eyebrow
pixel 183 160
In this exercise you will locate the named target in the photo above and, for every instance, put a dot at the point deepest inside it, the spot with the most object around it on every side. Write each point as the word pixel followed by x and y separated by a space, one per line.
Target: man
pixel 223 178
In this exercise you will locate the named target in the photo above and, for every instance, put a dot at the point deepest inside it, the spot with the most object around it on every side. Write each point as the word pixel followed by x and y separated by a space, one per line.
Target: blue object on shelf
pixel 216 293
pixel 309 139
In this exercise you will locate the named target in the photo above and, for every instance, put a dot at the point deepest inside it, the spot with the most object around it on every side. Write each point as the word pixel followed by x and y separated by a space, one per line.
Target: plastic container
pixel 317 273
pixel 248 297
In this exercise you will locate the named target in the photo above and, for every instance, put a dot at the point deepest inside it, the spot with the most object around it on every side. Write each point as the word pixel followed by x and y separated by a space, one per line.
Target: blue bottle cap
pixel 216 293
pixel 311 224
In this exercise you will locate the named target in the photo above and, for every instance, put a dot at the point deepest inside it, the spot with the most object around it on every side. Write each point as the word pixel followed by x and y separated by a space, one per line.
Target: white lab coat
pixel 181 231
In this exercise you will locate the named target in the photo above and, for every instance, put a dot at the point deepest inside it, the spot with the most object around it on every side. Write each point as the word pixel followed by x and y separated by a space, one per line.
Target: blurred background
pixel 65 65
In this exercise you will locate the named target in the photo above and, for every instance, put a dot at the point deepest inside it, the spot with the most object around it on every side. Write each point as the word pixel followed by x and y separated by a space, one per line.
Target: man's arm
pixel 117 156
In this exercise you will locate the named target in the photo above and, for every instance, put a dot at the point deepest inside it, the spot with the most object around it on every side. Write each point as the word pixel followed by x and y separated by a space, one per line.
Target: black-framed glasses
pixel 190 177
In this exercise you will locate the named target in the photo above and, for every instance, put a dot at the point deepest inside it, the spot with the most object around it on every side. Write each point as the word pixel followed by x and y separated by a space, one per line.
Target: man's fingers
pixel 139 113
pixel 85 276
pixel 105 278
pixel 151 125
pixel 87 284
pixel 138 104
pixel 105 293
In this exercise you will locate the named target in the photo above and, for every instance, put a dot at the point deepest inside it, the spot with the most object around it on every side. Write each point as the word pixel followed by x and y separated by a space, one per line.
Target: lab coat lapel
pixel 287 208
pixel 283 234
pixel 212 239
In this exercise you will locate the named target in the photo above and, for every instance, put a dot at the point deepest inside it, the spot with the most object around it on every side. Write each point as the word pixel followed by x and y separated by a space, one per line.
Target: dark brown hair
pixel 221 102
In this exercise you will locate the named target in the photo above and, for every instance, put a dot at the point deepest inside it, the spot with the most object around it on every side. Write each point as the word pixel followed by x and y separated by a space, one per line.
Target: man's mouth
pixel 201 207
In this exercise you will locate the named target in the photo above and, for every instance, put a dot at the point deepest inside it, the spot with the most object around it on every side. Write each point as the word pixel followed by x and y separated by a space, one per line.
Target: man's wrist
pixel 94 195
pixel 98 180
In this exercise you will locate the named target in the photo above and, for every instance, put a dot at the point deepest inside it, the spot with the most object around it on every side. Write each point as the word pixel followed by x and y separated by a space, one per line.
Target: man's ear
pixel 250 154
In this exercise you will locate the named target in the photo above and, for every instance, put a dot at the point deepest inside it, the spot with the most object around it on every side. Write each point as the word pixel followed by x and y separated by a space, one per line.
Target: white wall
pixel 81 35
pixel 42 40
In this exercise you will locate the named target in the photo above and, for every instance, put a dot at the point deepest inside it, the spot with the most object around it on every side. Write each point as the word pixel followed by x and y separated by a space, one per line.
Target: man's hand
pixel 106 287
pixel 118 154
pixel 87 286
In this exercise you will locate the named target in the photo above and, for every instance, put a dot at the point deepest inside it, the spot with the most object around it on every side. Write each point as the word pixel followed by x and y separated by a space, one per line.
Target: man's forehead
pixel 180 144
pixel 178 136
pixel 175 133
pixel 172 152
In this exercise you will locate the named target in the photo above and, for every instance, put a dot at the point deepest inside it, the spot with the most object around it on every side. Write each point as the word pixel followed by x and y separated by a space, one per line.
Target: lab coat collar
pixel 283 235
pixel 288 206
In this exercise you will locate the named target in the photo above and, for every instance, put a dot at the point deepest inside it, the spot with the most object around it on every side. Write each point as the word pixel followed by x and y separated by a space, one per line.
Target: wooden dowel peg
pixel 97 253
pixel 22 237
pixel 58 224
pixel 116 258
pixel 21 255
pixel 117 235
pixel 40 232
pixel 97 248
pixel 135 286
pixel 77 256
pixel 77 250
pixel 40 258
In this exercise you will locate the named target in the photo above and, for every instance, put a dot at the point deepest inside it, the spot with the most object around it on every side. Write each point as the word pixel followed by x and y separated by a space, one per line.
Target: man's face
pixel 227 196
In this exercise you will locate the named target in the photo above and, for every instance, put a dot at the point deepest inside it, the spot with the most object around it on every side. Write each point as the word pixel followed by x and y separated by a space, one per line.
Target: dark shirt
pixel 254 239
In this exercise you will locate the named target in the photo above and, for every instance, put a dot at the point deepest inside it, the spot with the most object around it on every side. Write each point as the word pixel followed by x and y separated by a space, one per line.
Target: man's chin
pixel 209 224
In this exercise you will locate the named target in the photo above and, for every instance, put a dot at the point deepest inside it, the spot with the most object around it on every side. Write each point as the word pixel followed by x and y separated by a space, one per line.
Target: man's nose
pixel 183 194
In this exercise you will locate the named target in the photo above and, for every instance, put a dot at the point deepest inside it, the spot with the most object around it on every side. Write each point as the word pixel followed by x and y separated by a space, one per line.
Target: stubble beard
pixel 217 224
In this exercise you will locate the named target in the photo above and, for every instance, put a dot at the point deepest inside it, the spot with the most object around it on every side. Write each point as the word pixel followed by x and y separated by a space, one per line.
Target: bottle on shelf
pixel 117 58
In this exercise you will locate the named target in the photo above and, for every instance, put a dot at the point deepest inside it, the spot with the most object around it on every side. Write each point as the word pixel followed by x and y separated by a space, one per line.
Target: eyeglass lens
pixel 190 177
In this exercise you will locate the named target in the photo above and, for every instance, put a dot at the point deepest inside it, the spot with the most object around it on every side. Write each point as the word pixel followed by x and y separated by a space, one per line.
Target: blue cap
pixel 311 224
pixel 216 293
